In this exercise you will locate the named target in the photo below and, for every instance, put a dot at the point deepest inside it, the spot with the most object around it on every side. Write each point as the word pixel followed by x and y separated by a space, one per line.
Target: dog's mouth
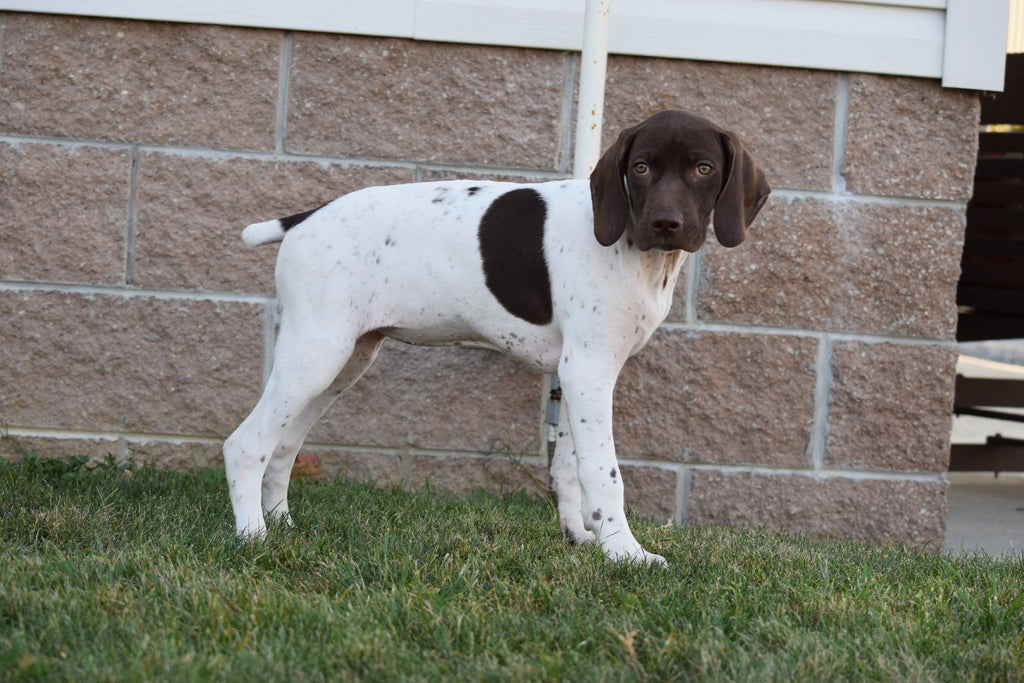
pixel 689 241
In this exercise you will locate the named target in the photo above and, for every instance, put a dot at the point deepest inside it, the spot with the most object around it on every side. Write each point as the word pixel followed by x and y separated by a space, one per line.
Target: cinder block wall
pixel 803 380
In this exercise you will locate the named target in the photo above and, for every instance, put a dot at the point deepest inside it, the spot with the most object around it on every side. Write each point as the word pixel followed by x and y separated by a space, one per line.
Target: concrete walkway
pixel 986 512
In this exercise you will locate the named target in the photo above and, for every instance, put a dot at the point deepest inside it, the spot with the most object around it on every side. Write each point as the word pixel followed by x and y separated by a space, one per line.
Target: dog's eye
pixel 704 169
pixel 641 168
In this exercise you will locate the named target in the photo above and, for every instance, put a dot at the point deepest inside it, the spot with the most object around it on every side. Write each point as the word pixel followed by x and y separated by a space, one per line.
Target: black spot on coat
pixel 511 239
pixel 291 221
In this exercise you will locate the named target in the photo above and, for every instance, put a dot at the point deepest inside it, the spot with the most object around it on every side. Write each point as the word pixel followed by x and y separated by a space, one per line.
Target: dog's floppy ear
pixel 742 195
pixel 608 191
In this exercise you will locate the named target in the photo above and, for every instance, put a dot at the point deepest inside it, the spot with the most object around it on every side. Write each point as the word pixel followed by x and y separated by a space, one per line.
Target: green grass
pixel 133 574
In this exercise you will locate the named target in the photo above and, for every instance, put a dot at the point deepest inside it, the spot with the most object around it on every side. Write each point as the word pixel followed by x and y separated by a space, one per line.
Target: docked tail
pixel 273 231
pixel 263 233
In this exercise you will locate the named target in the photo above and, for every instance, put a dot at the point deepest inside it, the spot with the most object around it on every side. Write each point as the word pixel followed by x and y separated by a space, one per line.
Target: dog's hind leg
pixel 278 472
pixel 307 361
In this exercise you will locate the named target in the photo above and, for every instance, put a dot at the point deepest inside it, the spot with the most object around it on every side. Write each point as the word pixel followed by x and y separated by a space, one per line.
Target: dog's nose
pixel 666 222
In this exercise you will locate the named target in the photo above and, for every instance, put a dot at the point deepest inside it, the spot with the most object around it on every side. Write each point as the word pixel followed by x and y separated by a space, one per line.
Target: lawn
pixel 132 573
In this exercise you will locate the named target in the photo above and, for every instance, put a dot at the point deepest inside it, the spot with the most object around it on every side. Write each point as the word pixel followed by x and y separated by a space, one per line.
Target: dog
pixel 567 276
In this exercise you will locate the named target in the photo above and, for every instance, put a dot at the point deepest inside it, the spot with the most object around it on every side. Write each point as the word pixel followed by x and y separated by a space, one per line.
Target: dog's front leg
pixel 587 387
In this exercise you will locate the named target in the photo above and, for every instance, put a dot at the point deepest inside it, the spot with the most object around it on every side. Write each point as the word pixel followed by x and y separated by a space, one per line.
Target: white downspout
pixel 593 67
pixel 589 114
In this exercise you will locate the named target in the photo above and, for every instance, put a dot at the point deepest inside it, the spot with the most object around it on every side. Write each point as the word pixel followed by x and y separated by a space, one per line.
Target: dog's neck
pixel 662 268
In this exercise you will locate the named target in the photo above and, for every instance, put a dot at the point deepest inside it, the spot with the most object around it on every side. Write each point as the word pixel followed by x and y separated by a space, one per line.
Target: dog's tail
pixel 263 233
pixel 273 231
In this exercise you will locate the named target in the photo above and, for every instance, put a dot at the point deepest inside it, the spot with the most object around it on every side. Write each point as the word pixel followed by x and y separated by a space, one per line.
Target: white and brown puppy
pixel 567 276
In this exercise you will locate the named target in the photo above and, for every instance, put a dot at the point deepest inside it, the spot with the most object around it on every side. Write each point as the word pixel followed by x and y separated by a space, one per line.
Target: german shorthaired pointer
pixel 566 276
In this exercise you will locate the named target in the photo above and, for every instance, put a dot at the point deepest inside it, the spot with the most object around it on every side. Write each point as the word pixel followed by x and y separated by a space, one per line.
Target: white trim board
pixel 959 41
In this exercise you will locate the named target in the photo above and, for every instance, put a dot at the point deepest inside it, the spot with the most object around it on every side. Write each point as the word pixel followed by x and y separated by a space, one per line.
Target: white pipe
pixel 593 66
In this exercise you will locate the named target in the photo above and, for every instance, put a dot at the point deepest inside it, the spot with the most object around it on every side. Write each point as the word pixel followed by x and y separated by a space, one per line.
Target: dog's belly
pixel 537 348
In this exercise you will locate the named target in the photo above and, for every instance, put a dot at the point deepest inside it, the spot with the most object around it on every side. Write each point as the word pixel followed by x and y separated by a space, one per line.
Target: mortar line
pixel 288 157
pixel 31 432
pixel 132 292
pixel 283 86
pixel 863 337
pixel 129 239
pixel 527 457
pixel 824 473
pixel 418 168
pixel 113 437
pixel 328 161
pixel 682 495
pixel 895 202
pixel 207 153
pixel 406 461
pixel 822 393
pixel 531 457
pixel 15 140
pixel 564 161
pixel 840 133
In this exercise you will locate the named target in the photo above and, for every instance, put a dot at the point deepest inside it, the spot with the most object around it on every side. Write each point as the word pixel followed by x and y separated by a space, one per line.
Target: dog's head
pixel 663 178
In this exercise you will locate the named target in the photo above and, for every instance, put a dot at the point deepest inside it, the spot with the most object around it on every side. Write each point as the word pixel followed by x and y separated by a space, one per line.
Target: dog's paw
pixel 642 558
pixel 651 560
pixel 252 530
pixel 631 552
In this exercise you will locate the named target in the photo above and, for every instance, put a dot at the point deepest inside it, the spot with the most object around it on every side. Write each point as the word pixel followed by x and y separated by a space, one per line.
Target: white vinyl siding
pixel 959 41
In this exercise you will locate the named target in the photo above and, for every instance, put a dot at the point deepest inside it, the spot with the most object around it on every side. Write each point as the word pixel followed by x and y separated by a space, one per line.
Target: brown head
pixel 662 180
